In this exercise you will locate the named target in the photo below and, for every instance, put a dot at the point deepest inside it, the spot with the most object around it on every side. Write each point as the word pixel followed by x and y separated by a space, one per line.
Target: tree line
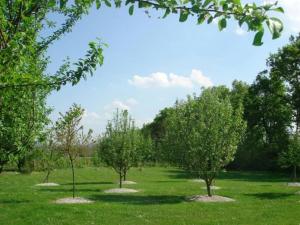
pixel 270 107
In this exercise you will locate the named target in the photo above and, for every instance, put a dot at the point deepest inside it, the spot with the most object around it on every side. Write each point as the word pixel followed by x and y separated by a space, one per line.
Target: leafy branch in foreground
pixel 250 14
pixel 84 67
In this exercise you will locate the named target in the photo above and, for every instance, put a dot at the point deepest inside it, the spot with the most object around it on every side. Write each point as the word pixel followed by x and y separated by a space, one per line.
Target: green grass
pixel 261 198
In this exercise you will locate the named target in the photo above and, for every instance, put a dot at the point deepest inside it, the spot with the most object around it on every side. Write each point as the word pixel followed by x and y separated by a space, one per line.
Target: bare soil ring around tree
pixel 76 200
pixel 47 185
pixel 121 190
pixel 206 198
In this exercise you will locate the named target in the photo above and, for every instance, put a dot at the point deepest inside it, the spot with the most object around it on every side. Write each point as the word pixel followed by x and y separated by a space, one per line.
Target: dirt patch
pixel 294 184
pixel 212 188
pixel 47 185
pixel 198 181
pixel 121 190
pixel 206 198
pixel 71 200
pixel 128 182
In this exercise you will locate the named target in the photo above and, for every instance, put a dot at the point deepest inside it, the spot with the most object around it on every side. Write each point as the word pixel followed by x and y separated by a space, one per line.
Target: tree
pixel 157 130
pixel 206 131
pixel 285 65
pixel 290 157
pixel 70 136
pixel 268 115
pixel 23 115
pixel 24 83
pixel 118 146
pixel 144 151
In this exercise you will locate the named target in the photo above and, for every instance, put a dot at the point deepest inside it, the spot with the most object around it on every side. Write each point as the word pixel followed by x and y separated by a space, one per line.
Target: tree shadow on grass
pixel 253 176
pixel 69 190
pixel 178 174
pixel 233 176
pixel 13 201
pixel 88 183
pixel 139 200
pixel 168 181
pixel 270 195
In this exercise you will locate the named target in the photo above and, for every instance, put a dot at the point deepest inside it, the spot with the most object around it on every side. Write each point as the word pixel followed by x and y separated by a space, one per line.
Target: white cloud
pixel 127 104
pixel 92 120
pixel 292 13
pixel 240 31
pixel 164 80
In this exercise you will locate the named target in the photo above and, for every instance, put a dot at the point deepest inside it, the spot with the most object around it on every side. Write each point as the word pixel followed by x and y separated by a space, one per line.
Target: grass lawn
pixel 261 198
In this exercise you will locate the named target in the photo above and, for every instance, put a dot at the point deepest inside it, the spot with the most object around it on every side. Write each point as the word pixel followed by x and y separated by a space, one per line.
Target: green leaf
pixel 258 38
pixel 183 15
pixel 98 4
pixel 107 3
pixel 222 24
pixel 62 3
pixel 275 26
pixel 131 8
pixel 206 3
pixel 166 13
pixel 201 18
pixel 279 9
pixel 210 19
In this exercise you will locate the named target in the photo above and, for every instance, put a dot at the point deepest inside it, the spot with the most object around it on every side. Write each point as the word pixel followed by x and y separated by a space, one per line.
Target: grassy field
pixel 261 198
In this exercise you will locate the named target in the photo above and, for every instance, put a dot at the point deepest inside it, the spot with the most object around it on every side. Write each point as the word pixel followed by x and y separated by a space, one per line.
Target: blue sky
pixel 150 62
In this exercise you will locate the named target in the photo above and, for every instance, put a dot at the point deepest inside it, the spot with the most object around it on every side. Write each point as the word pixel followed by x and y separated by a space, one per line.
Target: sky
pixel 151 62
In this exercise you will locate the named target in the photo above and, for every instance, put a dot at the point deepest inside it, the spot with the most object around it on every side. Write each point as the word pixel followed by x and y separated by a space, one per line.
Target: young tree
pixel 290 157
pixel 118 146
pixel 70 136
pixel 205 132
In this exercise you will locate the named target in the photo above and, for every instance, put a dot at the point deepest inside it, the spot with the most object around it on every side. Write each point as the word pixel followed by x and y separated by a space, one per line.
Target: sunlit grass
pixel 261 198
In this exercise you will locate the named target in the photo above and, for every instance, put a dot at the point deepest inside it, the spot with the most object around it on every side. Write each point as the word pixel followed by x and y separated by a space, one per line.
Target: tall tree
pixel 268 115
pixel 24 84
pixel 285 65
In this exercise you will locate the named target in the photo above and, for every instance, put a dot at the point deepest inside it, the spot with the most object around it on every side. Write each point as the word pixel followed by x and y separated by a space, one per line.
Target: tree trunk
pixel 124 177
pixel 73 176
pixel 20 164
pixel 120 176
pixel 208 188
pixel 46 180
pixel 1 168
pixel 294 173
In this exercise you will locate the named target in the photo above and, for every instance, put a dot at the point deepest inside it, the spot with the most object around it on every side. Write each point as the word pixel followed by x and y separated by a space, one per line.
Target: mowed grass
pixel 261 198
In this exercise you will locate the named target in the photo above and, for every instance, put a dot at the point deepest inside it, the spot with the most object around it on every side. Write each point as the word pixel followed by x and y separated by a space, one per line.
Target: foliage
pixel 250 14
pixel 285 65
pixel 49 153
pixel 24 84
pixel 268 116
pixel 204 132
pixel 70 136
pixel 290 157
pixel 157 130
pixel 118 147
